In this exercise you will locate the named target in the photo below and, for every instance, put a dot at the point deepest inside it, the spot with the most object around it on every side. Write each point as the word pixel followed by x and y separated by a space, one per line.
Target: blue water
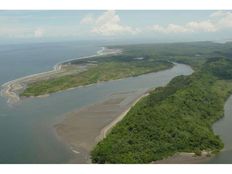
pixel 27 131
pixel 24 128
pixel 20 60
pixel 223 128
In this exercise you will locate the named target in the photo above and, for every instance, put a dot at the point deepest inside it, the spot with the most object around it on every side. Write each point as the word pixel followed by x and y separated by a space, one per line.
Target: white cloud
pixel 109 24
pixel 14 32
pixel 194 26
pixel 217 14
pixel 218 21
pixel 171 28
pixel 39 32
pixel 224 20
pixel 205 26
pixel 87 20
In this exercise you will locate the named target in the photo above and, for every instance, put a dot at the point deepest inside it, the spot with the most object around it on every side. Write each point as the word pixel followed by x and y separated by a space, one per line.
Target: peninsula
pixel 178 118
pixel 108 64
pixel 165 124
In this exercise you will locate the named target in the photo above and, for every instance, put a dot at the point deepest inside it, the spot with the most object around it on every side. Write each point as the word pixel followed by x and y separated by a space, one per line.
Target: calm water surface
pixel 223 128
pixel 26 130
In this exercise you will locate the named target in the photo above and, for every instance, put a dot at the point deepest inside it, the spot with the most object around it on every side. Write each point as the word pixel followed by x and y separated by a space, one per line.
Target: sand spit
pixel 11 89
pixel 83 128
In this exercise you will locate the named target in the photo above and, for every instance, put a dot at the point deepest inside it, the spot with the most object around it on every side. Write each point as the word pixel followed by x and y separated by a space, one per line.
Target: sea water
pixel 27 133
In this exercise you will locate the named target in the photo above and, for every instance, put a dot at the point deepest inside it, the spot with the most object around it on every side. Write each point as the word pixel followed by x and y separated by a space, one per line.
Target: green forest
pixel 98 69
pixel 175 118
pixel 135 60
pixel 171 119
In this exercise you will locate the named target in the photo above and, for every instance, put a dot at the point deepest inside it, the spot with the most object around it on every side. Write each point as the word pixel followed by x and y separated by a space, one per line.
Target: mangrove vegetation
pixel 175 118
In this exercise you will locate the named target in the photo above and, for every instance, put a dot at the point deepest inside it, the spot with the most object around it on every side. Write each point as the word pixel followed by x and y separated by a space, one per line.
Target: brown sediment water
pixel 83 128
pixel 28 128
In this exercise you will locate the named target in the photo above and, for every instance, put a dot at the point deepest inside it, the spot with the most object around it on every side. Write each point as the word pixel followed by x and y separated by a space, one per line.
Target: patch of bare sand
pixel 83 128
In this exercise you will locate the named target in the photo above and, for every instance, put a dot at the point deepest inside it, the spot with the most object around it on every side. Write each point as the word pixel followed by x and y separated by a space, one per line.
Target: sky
pixel 156 25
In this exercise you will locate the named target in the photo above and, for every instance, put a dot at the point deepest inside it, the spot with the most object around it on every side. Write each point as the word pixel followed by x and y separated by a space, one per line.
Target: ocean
pixel 27 132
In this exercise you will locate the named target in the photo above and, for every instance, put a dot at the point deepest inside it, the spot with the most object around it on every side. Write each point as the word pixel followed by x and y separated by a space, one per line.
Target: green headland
pixel 178 117
pixel 98 69
pixel 171 119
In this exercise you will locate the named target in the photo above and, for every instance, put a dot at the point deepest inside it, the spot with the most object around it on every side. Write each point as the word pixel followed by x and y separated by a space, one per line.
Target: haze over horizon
pixel 118 26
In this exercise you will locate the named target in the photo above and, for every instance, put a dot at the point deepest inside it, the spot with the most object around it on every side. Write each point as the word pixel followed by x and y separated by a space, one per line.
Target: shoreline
pixel 81 149
pixel 109 127
pixel 9 89
pixel 186 158
pixel 81 135
pixel 178 158
pixel 72 129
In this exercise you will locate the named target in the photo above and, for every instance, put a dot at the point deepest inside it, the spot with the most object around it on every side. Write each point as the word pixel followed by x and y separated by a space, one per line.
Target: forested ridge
pixel 175 118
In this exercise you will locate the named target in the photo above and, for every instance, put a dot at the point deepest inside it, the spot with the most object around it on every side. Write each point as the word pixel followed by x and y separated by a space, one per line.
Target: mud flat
pixel 83 128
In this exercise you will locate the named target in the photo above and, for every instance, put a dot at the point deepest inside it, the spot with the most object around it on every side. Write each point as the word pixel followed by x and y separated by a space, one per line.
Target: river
pixel 223 128
pixel 27 129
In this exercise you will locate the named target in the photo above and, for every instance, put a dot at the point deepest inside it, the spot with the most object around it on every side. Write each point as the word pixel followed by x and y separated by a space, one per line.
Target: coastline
pixel 10 89
pixel 108 128
pixel 178 158
pixel 78 131
pixel 68 132
pixel 12 86
pixel 186 158
pixel 78 128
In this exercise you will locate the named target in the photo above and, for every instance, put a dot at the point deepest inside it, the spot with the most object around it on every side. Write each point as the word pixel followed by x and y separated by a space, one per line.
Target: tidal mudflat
pixel 28 129
pixel 83 128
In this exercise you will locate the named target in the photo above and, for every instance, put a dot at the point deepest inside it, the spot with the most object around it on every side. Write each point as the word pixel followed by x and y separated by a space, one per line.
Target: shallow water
pixel 26 129
pixel 223 128
pixel 26 132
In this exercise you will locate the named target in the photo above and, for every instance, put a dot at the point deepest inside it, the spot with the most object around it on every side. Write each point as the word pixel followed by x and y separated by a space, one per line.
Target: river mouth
pixel 82 127
pixel 28 128
pixel 223 128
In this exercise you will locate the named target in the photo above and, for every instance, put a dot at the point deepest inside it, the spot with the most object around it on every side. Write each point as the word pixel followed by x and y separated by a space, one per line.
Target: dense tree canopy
pixel 175 118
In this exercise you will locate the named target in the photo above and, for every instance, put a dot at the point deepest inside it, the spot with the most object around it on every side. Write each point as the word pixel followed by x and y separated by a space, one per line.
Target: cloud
pixel 218 21
pixel 205 26
pixel 15 32
pixel 108 24
pixel 194 26
pixel 224 19
pixel 171 28
pixel 87 20
pixel 39 32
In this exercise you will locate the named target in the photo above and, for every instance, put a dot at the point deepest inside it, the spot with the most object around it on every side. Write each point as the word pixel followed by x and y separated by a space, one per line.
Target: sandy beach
pixel 107 129
pixel 83 128
pixel 11 89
